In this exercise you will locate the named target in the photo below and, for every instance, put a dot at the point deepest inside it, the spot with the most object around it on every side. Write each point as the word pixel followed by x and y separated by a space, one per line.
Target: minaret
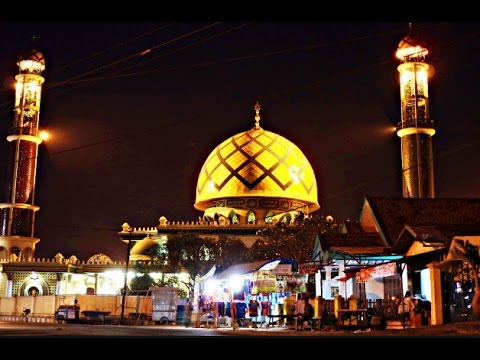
pixel 18 211
pixel 416 128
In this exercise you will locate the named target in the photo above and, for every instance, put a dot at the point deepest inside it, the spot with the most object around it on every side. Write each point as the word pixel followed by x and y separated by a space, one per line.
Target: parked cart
pixel 164 304
pixel 67 313
pixel 96 317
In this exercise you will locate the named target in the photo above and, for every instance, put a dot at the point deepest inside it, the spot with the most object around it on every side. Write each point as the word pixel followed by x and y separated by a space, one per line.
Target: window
pixel 233 217
pixel 269 217
pixel 392 287
pixel 251 219
pixel 286 219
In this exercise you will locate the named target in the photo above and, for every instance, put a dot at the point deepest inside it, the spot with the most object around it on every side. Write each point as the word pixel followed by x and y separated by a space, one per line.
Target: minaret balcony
pixel 423 123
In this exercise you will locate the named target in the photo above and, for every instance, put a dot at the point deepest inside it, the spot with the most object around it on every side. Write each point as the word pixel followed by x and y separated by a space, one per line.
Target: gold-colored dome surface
pixel 257 163
pixel 142 246
pixel 410 49
pixel 32 54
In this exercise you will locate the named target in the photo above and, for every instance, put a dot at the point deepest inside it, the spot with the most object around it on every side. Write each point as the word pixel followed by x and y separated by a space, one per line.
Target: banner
pixel 378 271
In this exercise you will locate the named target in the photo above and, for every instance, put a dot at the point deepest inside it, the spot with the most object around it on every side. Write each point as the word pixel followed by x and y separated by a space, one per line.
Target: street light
pixel 124 293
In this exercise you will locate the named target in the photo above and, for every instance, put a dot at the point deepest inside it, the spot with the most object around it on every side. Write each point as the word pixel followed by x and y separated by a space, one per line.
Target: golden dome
pixel 256 164
pixel 410 49
pixel 138 250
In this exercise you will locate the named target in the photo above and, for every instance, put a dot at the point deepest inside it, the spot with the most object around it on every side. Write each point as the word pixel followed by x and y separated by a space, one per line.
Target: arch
pixel 15 250
pixel 99 259
pixel 269 217
pixel 3 253
pixel 233 217
pixel 287 218
pixel 27 253
pixel 251 218
pixel 34 285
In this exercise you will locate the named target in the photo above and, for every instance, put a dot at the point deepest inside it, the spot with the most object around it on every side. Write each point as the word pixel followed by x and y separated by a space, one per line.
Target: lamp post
pixel 124 292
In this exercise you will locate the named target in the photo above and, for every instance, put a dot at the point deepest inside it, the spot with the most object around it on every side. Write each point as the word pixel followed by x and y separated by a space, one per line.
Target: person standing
pixel 406 309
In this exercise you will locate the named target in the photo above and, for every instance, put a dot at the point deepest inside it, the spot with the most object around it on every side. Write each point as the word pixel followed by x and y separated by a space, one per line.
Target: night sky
pixel 128 143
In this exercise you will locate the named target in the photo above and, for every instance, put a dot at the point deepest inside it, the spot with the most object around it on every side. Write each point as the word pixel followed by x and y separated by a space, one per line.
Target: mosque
pixel 250 181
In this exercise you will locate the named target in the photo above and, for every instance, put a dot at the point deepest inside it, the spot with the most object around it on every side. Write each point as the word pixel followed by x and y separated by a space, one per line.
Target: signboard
pixel 307 268
pixel 378 271
pixel 264 282
pixel 282 269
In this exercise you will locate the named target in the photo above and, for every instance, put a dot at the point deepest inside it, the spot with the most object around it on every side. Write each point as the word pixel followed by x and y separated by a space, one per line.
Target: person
pixel 188 313
pixel 418 311
pixel 406 308
pixel 428 310
pixel 304 319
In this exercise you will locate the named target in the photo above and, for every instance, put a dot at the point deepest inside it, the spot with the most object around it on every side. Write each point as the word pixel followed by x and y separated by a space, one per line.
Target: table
pixel 352 318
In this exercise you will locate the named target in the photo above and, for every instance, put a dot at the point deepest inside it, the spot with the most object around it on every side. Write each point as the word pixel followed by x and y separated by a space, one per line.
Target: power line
pixel 233 59
pixel 360 185
pixel 88 81
pixel 112 47
pixel 136 54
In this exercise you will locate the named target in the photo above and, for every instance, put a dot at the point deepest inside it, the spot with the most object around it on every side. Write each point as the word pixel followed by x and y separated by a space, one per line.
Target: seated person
pixel 305 318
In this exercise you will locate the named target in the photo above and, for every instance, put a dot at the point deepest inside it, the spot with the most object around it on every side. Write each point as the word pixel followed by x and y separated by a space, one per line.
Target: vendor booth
pixel 250 294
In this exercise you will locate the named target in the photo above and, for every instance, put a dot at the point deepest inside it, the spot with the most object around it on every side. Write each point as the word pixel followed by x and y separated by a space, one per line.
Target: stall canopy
pixel 248 268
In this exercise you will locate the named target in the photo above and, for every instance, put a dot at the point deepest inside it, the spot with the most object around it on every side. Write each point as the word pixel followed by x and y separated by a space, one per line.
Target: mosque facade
pixel 249 182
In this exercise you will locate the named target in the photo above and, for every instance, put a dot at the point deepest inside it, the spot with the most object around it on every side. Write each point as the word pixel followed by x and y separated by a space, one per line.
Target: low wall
pixel 44 307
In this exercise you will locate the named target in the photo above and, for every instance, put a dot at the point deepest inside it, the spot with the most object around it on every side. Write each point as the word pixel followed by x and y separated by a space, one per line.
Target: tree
pixel 292 241
pixel 463 251
pixel 230 251
pixel 191 253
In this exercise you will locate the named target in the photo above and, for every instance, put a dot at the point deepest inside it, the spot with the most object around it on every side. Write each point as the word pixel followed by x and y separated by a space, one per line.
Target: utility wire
pixel 136 54
pixel 87 82
pixel 360 185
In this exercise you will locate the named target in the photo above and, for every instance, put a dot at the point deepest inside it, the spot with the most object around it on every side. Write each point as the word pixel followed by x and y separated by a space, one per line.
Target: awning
pixel 246 268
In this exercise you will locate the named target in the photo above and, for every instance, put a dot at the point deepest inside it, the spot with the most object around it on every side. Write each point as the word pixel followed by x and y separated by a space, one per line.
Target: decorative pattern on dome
pixel 99 259
pixel 32 54
pixel 256 163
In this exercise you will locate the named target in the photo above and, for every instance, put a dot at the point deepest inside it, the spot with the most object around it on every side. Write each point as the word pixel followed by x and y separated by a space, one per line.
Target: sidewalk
pixel 459 329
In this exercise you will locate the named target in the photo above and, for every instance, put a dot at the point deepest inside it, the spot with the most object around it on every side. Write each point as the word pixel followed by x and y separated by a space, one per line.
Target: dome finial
pixel 257 115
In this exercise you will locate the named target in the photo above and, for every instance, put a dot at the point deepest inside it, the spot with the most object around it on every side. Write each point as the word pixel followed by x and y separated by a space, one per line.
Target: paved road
pixel 16 329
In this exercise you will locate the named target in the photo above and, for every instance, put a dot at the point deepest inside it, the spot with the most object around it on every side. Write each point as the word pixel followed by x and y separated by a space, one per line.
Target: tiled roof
pixel 392 214
pixel 361 241
pixel 411 233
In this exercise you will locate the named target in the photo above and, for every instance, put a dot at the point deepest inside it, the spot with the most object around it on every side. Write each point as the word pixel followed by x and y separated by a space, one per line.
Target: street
pixel 20 329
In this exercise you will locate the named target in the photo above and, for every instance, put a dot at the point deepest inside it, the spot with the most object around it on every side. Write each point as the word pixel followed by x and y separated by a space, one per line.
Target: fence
pixel 378 307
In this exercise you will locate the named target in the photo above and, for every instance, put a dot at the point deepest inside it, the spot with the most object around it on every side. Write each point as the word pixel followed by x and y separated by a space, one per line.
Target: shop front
pixel 251 294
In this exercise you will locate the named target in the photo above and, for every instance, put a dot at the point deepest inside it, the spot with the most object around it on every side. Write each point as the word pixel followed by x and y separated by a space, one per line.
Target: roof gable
pixel 393 214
